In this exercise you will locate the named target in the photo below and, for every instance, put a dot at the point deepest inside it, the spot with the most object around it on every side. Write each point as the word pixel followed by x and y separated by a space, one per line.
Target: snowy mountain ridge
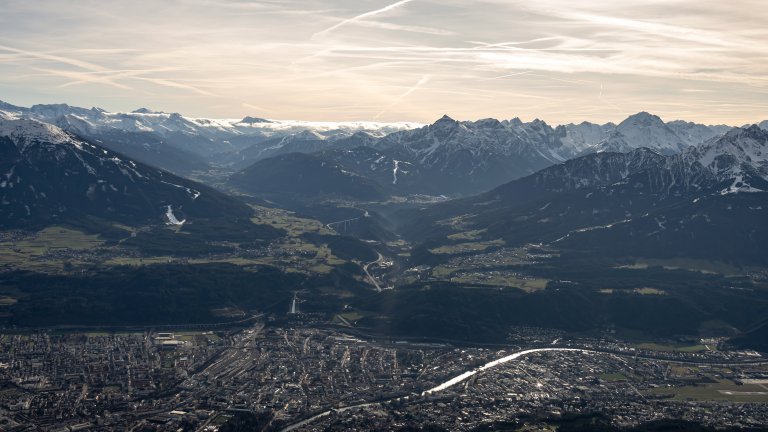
pixel 23 132
pixel 505 137
pixel 739 157
pixel 146 120
pixel 50 175
pixel 647 130
pixel 734 162
pixel 446 157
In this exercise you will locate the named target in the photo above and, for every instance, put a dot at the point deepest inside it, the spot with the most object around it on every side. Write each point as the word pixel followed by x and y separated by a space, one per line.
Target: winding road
pixel 368 274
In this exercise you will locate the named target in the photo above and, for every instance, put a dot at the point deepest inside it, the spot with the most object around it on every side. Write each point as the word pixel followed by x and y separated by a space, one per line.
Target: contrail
pixel 506 76
pixel 175 84
pixel 362 16
pixel 107 76
pixel 413 88
pixel 83 77
pixel 61 59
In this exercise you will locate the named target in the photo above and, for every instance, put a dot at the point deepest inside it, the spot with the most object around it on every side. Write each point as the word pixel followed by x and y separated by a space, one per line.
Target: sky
pixel 408 60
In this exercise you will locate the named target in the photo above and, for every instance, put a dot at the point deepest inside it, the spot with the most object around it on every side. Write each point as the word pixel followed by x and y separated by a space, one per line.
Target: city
pixel 319 377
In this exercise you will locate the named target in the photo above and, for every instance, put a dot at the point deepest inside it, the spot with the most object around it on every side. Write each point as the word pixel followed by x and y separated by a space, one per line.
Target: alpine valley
pixel 643 241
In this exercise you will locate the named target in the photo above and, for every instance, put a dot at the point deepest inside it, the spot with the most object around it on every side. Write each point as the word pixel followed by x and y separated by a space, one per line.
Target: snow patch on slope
pixel 739 186
pixel 172 220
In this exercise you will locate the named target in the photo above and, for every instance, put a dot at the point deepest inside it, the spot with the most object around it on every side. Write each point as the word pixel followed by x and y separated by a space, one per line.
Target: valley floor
pixel 303 376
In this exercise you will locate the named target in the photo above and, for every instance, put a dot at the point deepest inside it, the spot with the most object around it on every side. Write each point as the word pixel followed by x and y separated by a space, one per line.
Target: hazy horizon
pixel 385 60
pixel 343 121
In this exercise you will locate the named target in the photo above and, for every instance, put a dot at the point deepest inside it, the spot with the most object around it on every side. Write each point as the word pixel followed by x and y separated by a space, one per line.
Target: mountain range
pixel 456 158
pixel 644 184
pixel 303 177
pixel 707 201
pixel 447 157
pixel 184 144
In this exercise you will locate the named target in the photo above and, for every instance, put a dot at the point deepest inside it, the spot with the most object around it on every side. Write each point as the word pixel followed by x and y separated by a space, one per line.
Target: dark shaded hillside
pixel 150 150
pixel 731 229
pixel 624 204
pixel 298 175
pixel 159 294
pixel 306 142
pixel 475 312
pixel 755 338
pixel 51 177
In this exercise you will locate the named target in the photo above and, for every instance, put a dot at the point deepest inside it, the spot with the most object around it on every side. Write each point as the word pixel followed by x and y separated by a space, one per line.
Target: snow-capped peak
pixel 740 146
pixel 642 118
pixel 489 123
pixel 25 131
pixel 53 111
pixel 753 132
pixel 145 111
pixel 252 120
pixel 444 123
pixel 647 130
pixel 643 130
pixel 739 158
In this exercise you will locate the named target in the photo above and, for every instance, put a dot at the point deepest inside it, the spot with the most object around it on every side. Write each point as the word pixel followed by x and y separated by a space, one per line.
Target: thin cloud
pixel 361 17
pixel 506 76
pixel 255 107
pixel 175 84
pixel 109 76
pixel 405 28
pixel 55 58
pixel 489 58
pixel 79 77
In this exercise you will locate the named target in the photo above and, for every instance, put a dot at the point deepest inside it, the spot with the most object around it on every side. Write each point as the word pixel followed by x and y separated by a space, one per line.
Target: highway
pixel 368 274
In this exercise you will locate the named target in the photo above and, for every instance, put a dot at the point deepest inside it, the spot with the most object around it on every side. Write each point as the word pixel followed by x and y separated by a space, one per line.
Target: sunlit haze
pixel 385 60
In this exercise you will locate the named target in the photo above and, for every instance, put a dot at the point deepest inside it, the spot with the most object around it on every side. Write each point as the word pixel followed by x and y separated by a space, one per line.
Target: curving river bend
pixel 463 377
pixel 447 384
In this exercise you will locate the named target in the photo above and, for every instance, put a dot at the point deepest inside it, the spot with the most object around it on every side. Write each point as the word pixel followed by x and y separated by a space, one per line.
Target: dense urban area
pixel 295 374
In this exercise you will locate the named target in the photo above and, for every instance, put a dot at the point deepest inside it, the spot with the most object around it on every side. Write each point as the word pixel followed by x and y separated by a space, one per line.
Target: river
pixel 466 375
pixel 447 384
pixel 463 377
